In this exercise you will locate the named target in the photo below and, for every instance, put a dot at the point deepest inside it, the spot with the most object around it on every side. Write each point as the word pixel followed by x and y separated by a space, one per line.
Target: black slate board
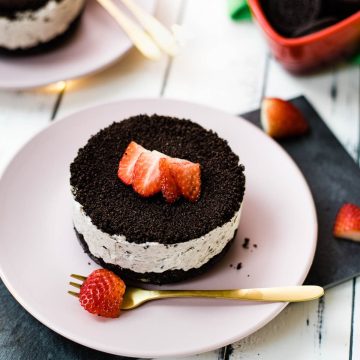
pixel 22 337
pixel 334 178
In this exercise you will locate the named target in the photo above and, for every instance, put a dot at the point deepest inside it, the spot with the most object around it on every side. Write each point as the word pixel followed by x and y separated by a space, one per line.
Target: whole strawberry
pixel 347 222
pixel 281 119
pixel 102 293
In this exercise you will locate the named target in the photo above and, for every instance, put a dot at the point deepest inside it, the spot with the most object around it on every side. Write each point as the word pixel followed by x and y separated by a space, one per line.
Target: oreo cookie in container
pixel 287 16
pixel 303 37
pixel 314 26
pixel 340 8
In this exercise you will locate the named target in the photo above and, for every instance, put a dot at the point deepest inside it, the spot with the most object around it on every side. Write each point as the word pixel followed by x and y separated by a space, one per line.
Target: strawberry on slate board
pixel 281 119
pixel 102 293
pixel 347 222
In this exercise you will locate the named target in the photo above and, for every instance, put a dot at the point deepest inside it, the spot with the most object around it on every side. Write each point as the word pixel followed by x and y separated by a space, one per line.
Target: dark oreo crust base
pixel 59 40
pixel 167 277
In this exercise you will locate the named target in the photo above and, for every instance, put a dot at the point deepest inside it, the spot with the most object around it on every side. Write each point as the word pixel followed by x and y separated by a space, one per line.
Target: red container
pixel 307 53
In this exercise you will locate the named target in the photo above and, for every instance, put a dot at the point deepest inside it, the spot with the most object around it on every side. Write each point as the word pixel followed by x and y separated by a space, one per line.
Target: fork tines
pixel 78 286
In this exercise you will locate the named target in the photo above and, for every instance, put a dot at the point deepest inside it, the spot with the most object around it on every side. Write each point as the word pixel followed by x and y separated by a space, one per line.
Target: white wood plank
pixel 222 65
pixel 22 114
pixel 211 355
pixel 355 350
pixel 344 117
pixel 334 94
pixel 223 62
pixel 131 77
pixel 313 330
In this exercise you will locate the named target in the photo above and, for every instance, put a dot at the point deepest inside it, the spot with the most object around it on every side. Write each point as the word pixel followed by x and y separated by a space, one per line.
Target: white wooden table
pixel 226 65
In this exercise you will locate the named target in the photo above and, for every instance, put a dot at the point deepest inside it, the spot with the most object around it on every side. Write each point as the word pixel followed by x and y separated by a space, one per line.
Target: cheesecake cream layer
pixel 30 28
pixel 153 256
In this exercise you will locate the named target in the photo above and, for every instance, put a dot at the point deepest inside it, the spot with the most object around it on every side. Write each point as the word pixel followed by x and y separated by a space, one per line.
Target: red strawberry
pixel 169 188
pixel 102 293
pixel 128 161
pixel 347 222
pixel 280 118
pixel 147 174
pixel 187 177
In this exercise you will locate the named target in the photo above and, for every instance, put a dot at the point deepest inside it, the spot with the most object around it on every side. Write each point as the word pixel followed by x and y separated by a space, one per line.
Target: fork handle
pixel 163 37
pixel 140 39
pixel 283 294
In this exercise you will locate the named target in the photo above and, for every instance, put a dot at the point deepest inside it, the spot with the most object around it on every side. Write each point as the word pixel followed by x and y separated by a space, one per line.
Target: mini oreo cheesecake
pixel 156 199
pixel 30 26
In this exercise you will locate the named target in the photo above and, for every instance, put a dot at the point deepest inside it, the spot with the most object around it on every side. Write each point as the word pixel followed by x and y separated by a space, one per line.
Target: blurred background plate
pixel 97 43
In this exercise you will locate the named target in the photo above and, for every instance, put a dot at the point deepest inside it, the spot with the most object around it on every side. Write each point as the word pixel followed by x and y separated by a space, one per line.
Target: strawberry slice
pixel 280 118
pixel 146 180
pixel 169 188
pixel 128 161
pixel 347 222
pixel 150 172
pixel 187 177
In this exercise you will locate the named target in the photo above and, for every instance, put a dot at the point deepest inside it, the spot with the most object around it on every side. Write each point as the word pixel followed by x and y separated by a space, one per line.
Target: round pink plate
pixel 97 43
pixel 39 250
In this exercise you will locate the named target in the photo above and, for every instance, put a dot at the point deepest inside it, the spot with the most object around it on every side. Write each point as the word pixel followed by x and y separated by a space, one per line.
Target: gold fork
pixel 135 297
pixel 150 37
pixel 141 40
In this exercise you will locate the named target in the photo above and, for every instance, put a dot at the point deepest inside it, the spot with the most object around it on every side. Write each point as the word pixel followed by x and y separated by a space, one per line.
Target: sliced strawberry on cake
pixel 128 161
pixel 347 222
pixel 187 178
pixel 169 187
pixel 146 180
pixel 150 172
pixel 281 119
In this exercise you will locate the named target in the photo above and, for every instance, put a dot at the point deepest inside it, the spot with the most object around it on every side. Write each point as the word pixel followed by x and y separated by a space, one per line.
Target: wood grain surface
pixel 225 65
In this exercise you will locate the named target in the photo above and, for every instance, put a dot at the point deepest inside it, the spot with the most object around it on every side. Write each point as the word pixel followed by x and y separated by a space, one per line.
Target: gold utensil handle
pixel 137 35
pixel 283 294
pixel 162 36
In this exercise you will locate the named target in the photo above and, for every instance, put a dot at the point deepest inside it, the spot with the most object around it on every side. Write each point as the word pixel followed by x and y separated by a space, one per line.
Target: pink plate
pixel 97 43
pixel 38 247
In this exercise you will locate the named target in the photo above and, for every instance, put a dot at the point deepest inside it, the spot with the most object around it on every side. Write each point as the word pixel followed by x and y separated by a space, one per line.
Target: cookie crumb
pixel 255 245
pixel 239 266
pixel 245 244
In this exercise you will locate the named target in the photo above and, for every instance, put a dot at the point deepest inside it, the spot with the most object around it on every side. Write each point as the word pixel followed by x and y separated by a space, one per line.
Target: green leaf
pixel 239 10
